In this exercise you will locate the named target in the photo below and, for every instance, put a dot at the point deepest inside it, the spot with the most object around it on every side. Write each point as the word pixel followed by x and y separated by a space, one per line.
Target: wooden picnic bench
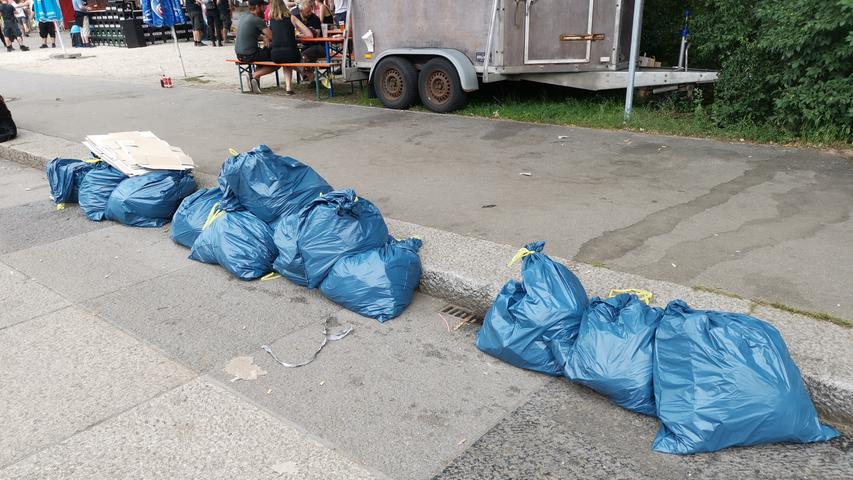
pixel 320 70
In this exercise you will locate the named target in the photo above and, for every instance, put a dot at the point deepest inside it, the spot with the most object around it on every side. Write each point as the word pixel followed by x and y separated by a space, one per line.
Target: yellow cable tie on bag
pixel 521 253
pixel 91 160
pixel 270 276
pixel 233 152
pixel 213 215
pixel 645 296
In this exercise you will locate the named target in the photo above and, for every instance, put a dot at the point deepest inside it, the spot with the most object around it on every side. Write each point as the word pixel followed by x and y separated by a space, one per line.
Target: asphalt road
pixel 759 221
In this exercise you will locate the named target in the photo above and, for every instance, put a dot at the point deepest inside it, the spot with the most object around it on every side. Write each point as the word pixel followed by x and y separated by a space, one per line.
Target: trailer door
pixel 557 31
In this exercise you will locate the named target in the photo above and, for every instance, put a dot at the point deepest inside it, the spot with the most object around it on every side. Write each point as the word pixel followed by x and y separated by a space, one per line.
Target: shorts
pixel 262 55
pixel 285 55
pixel 78 18
pixel 11 30
pixel 341 17
pixel 226 20
pixel 313 53
pixel 47 29
pixel 197 19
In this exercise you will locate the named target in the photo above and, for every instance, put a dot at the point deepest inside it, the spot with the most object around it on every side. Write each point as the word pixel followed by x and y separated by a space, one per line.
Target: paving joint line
pixel 320 440
pixel 99 422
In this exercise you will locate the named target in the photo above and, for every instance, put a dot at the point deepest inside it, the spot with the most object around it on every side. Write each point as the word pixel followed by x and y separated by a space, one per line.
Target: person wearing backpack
pixel 214 21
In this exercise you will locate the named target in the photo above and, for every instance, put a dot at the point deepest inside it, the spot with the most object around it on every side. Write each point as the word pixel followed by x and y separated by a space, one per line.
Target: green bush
pixel 783 63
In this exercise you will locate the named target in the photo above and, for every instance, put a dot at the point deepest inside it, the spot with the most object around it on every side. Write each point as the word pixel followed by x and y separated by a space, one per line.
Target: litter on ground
pixel 327 337
pixel 243 368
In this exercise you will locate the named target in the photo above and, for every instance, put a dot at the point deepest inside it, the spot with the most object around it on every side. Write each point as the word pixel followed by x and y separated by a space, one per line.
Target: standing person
pixel 10 26
pixel 47 29
pixel 193 8
pixel 341 8
pixel 81 12
pixel 225 17
pixel 21 15
pixel 250 29
pixel 214 21
pixel 284 48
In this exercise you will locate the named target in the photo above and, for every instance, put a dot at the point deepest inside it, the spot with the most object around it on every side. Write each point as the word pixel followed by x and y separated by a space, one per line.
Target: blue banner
pixel 162 13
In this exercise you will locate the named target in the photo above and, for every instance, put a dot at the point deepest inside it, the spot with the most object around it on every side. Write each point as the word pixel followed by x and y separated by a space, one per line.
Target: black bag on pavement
pixel 8 130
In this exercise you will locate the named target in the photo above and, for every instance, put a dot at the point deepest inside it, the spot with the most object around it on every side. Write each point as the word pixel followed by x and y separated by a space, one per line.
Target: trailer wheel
pixel 395 83
pixel 439 86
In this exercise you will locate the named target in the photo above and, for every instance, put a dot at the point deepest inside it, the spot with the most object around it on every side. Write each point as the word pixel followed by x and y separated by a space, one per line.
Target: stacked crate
pixel 121 25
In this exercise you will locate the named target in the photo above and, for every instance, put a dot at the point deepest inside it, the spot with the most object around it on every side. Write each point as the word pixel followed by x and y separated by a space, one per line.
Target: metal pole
pixel 59 37
pixel 489 42
pixel 178 48
pixel 635 49
pixel 684 33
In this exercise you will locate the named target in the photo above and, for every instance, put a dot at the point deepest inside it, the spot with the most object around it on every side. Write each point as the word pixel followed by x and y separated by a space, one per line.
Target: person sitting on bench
pixel 250 29
pixel 284 47
pixel 304 12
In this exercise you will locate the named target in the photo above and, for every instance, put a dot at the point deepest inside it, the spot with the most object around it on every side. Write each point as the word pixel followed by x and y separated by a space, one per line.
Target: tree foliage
pixel 786 64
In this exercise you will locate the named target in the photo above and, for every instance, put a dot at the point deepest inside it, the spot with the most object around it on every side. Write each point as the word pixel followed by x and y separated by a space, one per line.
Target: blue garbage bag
pixel 527 315
pixel 289 261
pixel 726 379
pixel 149 200
pixel 268 185
pixel 239 241
pixel 95 190
pixel 191 215
pixel 329 228
pixel 378 283
pixel 614 351
pixel 64 176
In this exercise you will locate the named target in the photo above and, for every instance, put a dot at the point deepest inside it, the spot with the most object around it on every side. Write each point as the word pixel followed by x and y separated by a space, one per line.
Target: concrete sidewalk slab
pixel 38 223
pixel 132 255
pixel 22 298
pixel 568 432
pixel 403 397
pixel 68 370
pixel 203 316
pixel 199 430
pixel 19 184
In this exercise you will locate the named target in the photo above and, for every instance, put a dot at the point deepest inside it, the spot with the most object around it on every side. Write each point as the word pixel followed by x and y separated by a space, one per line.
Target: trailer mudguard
pixel 467 74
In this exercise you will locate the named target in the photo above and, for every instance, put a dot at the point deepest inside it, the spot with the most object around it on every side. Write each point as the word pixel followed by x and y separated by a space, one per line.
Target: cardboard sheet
pixel 137 153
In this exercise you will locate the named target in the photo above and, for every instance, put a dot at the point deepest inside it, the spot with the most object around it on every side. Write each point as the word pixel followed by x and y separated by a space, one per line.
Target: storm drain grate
pixel 466 316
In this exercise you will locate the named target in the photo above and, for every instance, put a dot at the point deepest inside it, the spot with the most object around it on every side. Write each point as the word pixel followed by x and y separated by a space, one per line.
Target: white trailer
pixel 439 49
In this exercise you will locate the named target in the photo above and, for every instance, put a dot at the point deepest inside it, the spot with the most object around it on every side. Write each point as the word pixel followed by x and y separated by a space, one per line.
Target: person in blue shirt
pixel 81 12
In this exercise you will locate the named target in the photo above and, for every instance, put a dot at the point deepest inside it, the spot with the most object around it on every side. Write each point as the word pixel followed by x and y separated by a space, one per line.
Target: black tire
pixel 439 86
pixel 395 81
